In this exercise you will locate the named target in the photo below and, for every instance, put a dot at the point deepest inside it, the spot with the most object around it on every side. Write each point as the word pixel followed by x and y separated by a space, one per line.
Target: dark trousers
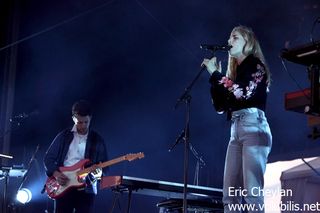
pixel 74 200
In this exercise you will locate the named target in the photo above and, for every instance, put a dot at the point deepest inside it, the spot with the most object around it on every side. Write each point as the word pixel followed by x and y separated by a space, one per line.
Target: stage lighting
pixel 24 195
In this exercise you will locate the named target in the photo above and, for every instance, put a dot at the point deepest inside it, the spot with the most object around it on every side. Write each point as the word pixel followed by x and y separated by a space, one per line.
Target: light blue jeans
pixel 246 159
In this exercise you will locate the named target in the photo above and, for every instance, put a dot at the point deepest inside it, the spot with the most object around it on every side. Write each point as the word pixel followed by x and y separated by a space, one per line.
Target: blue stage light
pixel 24 195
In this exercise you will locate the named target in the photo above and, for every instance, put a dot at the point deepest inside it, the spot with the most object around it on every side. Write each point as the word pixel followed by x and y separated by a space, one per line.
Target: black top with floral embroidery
pixel 248 90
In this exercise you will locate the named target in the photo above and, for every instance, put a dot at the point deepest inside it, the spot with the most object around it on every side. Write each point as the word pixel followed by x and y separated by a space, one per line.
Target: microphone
pixel 214 47
pixel 23 116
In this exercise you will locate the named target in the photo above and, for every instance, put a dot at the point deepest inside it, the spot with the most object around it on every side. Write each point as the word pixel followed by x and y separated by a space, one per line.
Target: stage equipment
pixel 24 196
pixel 186 98
pixel 199 196
pixel 307 100
pixel 5 173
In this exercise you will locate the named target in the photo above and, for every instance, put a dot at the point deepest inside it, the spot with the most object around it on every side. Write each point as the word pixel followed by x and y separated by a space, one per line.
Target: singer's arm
pixel 249 88
pixel 219 95
pixel 218 92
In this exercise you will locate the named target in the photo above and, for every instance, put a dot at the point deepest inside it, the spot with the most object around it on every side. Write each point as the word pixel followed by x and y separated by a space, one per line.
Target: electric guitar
pixel 77 172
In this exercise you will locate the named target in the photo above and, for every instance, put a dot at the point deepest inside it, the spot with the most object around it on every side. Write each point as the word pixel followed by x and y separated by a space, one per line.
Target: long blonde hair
pixel 252 46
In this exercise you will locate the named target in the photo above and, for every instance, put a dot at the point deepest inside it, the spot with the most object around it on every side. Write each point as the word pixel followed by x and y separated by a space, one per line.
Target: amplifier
pixel 298 100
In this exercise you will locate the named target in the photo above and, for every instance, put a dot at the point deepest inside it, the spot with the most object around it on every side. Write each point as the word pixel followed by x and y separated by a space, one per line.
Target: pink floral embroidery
pixel 232 87
pixel 238 91
pixel 257 78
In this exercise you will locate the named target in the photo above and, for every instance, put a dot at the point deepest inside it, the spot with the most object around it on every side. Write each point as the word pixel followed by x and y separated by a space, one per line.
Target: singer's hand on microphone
pixel 212 65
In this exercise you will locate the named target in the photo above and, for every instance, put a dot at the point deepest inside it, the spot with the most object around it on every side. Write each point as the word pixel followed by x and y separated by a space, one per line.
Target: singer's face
pixel 237 42
pixel 82 123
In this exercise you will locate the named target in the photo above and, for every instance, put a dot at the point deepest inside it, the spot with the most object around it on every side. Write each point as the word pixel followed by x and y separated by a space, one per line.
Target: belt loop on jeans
pixel 240 114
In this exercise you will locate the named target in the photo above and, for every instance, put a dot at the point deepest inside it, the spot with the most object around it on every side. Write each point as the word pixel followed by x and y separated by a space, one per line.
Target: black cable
pixel 55 25
pixel 166 30
pixel 115 200
pixel 312 28
pixel 311 167
pixel 295 81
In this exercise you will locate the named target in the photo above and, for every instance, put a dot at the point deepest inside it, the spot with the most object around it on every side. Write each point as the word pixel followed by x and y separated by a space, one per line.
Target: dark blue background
pixel 132 59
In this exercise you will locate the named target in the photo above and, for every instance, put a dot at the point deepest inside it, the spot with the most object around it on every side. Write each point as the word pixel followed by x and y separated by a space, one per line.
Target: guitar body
pixel 55 190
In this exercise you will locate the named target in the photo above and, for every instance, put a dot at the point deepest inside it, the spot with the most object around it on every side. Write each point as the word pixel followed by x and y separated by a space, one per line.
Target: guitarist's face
pixel 82 123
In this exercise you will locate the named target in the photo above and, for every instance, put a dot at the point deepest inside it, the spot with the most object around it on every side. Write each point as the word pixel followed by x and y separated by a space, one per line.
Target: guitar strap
pixel 67 139
pixel 92 142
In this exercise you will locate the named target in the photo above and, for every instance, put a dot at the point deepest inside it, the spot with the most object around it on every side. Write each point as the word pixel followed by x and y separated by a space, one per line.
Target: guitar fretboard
pixel 101 165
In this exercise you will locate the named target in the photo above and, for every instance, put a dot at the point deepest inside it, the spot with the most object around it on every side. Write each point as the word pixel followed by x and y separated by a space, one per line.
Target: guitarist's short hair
pixel 82 108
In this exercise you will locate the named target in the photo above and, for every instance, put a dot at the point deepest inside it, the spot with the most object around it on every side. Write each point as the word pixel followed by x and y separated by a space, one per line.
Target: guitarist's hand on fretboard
pixel 61 178
pixel 97 173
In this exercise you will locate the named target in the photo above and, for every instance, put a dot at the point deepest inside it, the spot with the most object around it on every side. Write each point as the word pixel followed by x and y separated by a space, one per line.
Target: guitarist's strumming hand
pixel 61 178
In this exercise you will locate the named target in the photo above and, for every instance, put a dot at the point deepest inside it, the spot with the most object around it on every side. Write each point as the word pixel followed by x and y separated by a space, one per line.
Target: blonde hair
pixel 251 46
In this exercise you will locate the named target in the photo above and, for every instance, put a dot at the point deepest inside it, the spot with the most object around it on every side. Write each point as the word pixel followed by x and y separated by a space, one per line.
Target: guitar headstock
pixel 131 157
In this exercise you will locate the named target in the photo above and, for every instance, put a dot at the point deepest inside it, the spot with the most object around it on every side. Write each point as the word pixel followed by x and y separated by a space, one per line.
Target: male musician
pixel 69 147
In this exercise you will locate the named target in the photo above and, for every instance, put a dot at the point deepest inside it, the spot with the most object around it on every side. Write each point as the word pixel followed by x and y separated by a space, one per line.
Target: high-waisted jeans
pixel 246 159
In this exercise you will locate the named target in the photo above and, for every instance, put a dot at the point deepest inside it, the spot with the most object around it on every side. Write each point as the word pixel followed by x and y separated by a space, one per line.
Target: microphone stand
pixel 200 163
pixel 29 166
pixel 5 172
pixel 186 98
pixel 16 122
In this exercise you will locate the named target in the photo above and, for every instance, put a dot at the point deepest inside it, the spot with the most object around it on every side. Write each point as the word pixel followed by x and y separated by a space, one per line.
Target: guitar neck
pixel 101 165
